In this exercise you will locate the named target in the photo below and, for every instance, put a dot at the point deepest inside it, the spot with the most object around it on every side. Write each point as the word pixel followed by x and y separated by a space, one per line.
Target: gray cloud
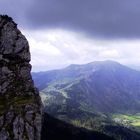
pixel 100 18
pixel 17 9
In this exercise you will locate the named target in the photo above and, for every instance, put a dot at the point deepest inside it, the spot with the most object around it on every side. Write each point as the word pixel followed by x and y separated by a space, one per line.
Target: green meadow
pixel 128 120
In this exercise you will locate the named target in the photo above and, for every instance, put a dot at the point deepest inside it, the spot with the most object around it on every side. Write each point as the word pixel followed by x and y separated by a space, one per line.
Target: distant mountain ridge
pixel 73 71
pixel 101 86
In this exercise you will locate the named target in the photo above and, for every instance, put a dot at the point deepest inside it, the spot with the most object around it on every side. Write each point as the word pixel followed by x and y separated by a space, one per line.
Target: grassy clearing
pixel 127 119
pixel 136 124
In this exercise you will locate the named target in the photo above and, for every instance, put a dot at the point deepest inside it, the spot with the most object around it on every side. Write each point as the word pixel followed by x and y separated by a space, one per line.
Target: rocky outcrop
pixel 20 104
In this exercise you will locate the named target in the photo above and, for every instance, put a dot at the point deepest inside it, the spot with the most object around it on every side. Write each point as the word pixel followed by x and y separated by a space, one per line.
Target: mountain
pixel 104 86
pixel 20 104
pixel 102 96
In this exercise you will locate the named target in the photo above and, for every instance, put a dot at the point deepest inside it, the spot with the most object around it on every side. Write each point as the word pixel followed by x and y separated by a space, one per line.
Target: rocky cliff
pixel 20 104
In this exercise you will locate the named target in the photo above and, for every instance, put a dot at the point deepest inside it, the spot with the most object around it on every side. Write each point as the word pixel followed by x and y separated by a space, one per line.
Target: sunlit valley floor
pixel 100 96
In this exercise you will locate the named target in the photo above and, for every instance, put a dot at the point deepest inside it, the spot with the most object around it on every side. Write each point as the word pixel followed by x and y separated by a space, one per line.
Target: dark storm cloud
pixel 102 18
pixel 17 9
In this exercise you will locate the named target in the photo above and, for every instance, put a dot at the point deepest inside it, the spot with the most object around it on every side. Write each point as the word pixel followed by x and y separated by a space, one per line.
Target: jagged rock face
pixel 20 104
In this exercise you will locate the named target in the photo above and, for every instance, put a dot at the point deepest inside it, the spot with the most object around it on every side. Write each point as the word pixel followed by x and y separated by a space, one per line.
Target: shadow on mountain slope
pixel 54 129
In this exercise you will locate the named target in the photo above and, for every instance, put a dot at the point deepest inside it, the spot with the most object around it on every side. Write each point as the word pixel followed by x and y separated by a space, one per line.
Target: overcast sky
pixel 63 32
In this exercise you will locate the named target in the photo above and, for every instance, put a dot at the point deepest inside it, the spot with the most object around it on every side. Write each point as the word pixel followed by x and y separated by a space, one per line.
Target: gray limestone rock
pixel 20 104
